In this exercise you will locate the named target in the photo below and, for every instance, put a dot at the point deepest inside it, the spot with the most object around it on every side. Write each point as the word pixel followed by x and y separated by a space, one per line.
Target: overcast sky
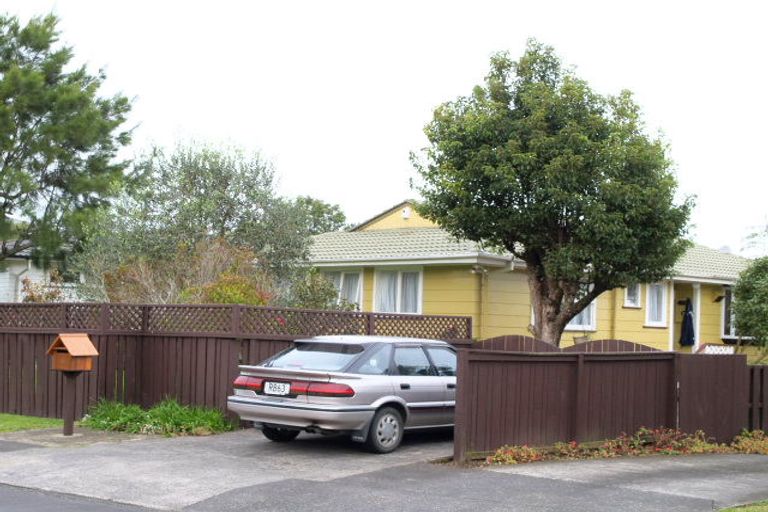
pixel 336 94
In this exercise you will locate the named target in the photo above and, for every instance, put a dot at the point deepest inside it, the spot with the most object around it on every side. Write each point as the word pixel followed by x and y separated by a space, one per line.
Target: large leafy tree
pixel 321 217
pixel 750 305
pixel 538 164
pixel 58 139
pixel 198 191
pixel 191 197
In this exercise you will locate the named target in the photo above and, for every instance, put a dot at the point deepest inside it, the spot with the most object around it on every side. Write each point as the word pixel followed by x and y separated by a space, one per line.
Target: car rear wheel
pixel 279 435
pixel 386 430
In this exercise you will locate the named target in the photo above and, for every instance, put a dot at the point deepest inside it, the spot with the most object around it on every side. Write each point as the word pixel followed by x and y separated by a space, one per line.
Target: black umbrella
pixel 687 337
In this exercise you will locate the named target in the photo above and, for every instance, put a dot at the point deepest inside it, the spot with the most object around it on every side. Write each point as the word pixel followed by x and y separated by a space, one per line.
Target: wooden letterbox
pixel 72 352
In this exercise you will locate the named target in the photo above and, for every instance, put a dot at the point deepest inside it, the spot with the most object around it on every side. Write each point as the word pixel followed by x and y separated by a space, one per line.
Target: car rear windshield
pixel 331 357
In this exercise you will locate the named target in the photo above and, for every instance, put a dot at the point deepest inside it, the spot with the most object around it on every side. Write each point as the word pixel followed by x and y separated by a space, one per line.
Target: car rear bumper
pixel 352 417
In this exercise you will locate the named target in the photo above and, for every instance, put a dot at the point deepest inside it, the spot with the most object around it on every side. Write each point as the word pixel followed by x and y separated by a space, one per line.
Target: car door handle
pixel 405 386
pixel 451 386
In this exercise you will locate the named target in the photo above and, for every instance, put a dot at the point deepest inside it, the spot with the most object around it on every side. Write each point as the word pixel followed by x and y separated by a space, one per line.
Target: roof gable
pixel 402 215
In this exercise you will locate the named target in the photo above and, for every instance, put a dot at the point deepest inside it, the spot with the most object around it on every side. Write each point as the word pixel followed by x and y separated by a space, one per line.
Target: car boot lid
pixel 286 373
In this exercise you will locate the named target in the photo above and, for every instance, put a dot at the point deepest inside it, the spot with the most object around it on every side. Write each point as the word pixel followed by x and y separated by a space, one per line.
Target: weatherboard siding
pixel 10 289
pixel 615 321
pixel 501 305
pixel 711 313
pixel 451 290
pixel 507 304
pixel 395 220
pixel 368 289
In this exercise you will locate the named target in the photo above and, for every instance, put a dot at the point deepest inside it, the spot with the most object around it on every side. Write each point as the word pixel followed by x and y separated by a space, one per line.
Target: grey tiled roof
pixel 434 243
pixel 24 253
pixel 392 244
pixel 705 263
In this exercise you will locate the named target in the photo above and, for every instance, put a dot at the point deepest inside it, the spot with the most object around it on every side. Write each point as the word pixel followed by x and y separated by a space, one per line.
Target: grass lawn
pixel 13 422
pixel 761 506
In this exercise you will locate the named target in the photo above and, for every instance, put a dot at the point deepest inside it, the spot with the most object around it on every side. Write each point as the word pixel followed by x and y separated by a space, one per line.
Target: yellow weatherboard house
pixel 400 262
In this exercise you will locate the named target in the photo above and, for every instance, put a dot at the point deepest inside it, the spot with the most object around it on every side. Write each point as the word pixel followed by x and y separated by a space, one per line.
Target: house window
pixel 585 320
pixel 656 306
pixel 347 285
pixel 632 296
pixel 729 318
pixel 397 291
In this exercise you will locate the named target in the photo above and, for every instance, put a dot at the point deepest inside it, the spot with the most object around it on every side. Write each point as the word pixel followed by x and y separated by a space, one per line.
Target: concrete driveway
pixel 243 471
pixel 172 473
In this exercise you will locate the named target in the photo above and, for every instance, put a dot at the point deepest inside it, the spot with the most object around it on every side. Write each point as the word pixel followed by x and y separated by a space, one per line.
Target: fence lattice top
pixel 226 319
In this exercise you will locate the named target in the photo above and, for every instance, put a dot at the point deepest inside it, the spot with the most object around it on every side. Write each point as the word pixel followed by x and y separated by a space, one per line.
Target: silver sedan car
pixel 373 388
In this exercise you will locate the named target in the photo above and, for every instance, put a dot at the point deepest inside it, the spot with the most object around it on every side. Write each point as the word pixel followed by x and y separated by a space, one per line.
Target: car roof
pixel 360 340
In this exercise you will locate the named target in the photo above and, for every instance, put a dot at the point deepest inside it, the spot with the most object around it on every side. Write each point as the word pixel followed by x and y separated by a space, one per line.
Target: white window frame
pixel 400 271
pixel 591 326
pixel 727 290
pixel 664 301
pixel 733 335
pixel 359 273
pixel 639 303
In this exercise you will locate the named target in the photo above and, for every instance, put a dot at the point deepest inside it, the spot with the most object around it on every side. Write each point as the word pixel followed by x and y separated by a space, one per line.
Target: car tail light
pixel 329 389
pixel 299 387
pixel 245 382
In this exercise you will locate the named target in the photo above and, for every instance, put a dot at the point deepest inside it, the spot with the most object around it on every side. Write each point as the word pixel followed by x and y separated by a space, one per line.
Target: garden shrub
pixel 751 442
pixel 516 455
pixel 168 418
pixel 659 441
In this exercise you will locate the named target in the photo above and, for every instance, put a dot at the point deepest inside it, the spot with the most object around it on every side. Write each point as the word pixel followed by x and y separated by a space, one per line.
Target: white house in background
pixel 14 269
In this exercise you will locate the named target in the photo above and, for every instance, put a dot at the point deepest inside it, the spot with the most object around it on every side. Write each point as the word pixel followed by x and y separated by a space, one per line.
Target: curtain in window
pixel 728 317
pixel 633 294
pixel 335 278
pixel 656 303
pixel 350 288
pixel 584 318
pixel 386 291
pixel 409 293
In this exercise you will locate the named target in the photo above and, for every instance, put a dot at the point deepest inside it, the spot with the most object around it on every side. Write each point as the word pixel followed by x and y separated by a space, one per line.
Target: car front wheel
pixel 279 435
pixel 386 430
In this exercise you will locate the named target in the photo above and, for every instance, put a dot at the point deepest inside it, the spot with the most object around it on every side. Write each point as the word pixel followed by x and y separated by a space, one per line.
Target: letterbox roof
pixel 77 344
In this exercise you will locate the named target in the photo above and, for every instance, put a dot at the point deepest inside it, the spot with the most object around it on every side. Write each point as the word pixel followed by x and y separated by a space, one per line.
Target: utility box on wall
pixel 72 352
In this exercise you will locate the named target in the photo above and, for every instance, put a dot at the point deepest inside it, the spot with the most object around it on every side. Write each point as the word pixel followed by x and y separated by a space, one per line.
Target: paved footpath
pixel 242 471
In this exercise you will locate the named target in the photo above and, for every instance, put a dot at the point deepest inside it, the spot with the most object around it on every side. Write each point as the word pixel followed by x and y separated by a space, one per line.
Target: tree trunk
pixel 546 301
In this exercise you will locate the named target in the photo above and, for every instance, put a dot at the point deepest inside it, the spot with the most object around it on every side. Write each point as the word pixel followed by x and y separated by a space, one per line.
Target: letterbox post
pixel 71 354
pixel 70 389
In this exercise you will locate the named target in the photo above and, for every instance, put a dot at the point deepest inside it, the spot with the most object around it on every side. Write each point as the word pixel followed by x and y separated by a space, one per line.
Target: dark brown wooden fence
pixel 519 343
pixel 758 398
pixel 149 352
pixel 542 398
pixel 515 343
pixel 609 346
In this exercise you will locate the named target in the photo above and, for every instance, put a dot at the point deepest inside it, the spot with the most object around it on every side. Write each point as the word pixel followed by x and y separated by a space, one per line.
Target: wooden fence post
pixel 461 420
pixel 63 312
pixel 104 318
pixel 370 324
pixel 674 410
pixel 144 319
pixel 237 313
pixel 580 408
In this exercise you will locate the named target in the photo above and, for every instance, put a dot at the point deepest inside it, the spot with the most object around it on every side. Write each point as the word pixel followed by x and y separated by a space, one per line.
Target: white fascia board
pixel 474 259
pixel 703 280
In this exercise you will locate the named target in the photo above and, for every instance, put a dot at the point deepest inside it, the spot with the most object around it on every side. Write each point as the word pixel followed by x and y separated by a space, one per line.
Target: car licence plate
pixel 277 388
